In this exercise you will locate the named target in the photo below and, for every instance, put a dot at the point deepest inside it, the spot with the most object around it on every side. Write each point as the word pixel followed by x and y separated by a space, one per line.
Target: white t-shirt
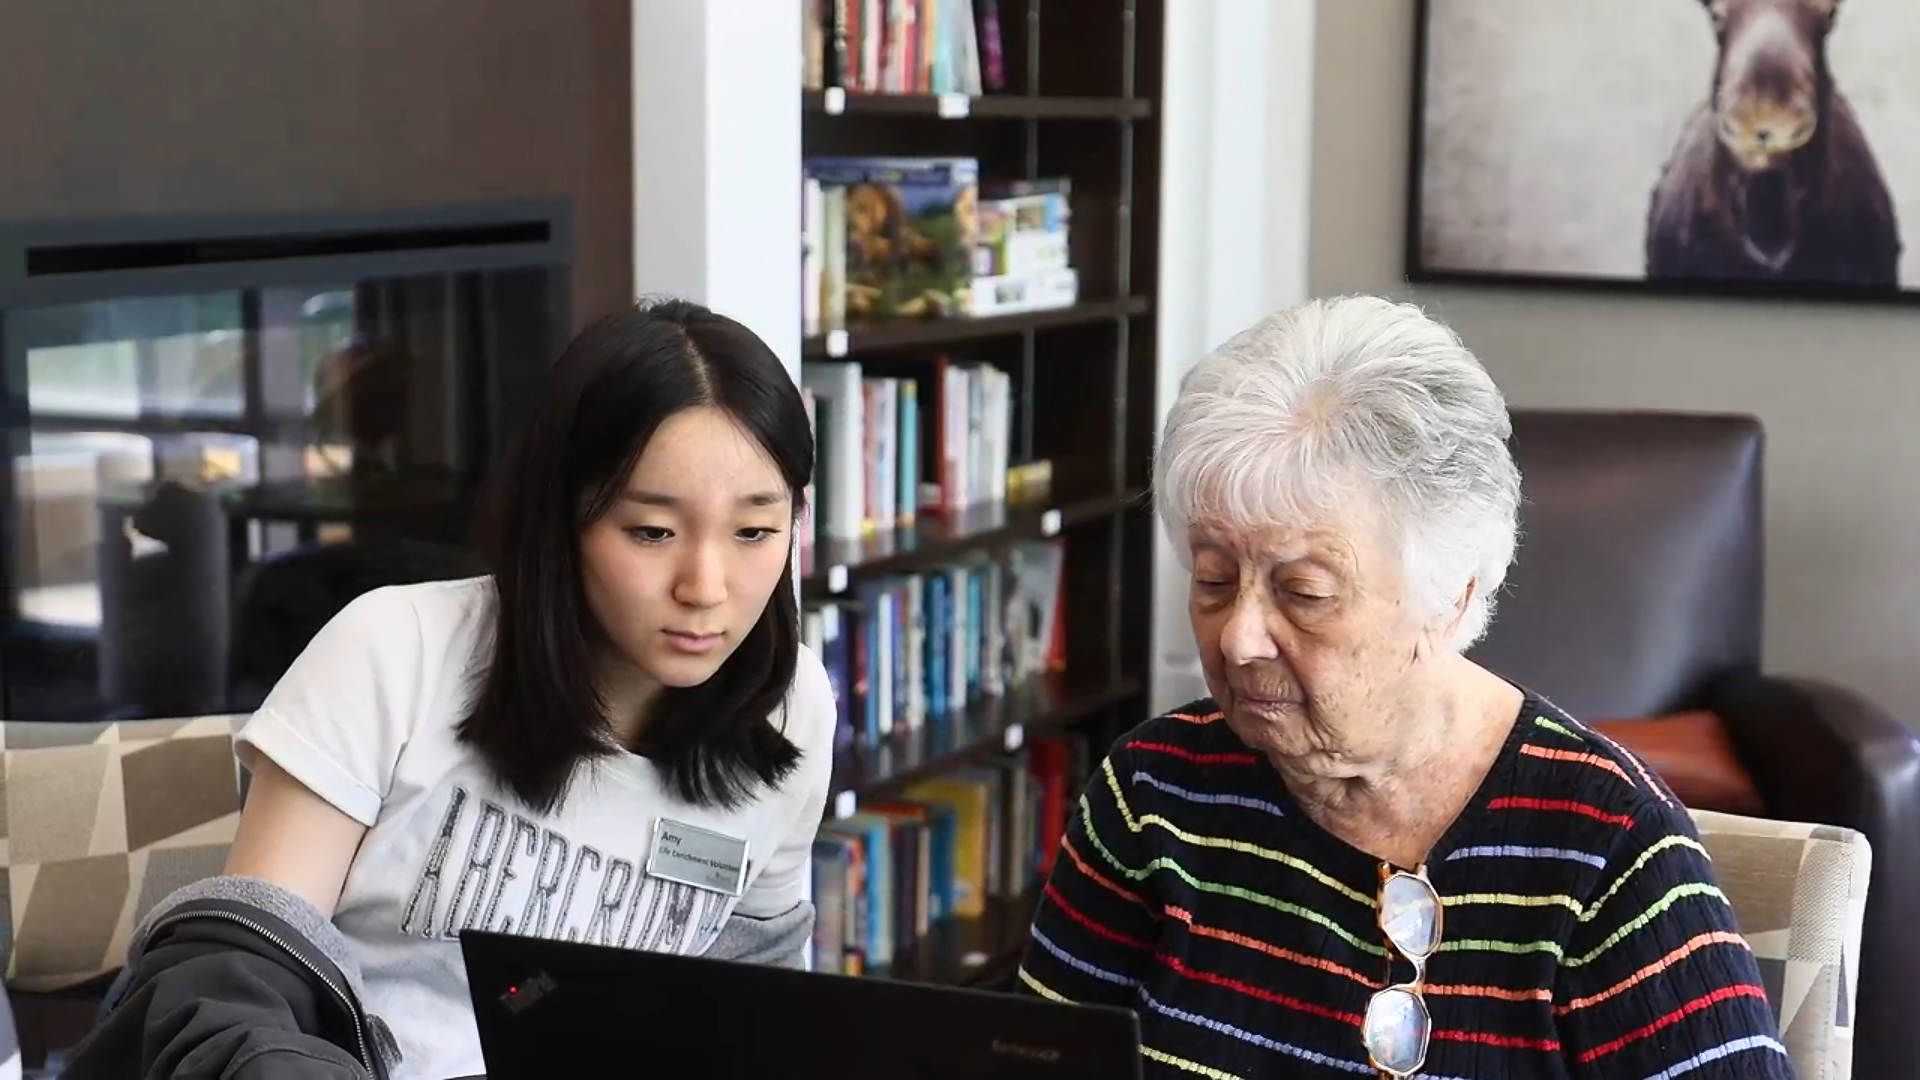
pixel 366 719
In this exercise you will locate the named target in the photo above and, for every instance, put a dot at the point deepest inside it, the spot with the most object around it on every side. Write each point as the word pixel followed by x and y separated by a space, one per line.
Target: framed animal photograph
pixel 1717 146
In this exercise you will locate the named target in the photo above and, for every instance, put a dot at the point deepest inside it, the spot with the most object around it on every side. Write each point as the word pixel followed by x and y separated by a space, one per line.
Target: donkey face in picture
pixel 1773 176
pixel 1771 81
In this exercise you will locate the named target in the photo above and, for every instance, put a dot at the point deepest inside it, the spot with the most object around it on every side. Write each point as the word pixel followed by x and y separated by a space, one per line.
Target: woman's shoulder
pixel 398 633
pixel 424 611
pixel 1577 770
pixel 416 640
pixel 810 713
pixel 385 668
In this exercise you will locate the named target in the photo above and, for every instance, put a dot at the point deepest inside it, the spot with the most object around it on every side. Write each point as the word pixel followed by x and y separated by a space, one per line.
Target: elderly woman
pixel 1364 854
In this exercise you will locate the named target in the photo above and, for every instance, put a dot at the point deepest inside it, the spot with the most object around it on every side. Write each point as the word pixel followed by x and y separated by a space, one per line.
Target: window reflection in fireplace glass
pixel 124 359
pixel 198 470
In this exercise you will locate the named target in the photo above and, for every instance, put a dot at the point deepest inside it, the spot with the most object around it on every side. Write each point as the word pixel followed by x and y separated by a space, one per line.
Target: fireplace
pixel 220 431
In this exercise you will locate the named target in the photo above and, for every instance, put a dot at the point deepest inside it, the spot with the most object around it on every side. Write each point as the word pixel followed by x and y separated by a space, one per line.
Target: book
pixel 910 226
pixel 901 46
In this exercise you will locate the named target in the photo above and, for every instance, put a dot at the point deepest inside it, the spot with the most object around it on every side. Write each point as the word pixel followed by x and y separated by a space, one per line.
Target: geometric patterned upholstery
pixel 1799 893
pixel 99 822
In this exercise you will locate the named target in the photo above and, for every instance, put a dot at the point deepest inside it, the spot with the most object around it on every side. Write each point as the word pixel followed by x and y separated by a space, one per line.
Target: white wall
pixel 1237 117
pixel 716 173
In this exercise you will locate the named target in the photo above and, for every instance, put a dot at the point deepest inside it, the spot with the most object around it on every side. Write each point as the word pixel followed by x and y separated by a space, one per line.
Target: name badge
pixel 698 857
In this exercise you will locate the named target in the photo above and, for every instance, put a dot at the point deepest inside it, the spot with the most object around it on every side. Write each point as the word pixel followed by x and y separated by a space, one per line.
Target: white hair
pixel 1353 397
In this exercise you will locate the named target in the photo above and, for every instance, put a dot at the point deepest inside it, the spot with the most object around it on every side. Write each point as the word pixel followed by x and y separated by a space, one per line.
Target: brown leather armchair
pixel 1637 594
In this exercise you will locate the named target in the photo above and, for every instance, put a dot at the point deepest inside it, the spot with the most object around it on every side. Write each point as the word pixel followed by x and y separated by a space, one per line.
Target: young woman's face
pixel 680 569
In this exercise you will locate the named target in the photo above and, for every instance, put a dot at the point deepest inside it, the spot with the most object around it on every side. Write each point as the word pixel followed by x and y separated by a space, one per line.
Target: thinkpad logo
pixel 1031 1053
pixel 525 995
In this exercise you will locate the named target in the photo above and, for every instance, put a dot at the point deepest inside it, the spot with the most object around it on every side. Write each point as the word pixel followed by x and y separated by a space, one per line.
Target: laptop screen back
pixel 548 1008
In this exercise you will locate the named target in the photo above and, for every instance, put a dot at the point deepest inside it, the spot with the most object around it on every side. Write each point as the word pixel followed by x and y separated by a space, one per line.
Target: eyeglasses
pixel 1397 1024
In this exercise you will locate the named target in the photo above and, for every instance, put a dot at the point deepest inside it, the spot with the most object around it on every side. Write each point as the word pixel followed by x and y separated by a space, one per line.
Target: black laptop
pixel 550 1009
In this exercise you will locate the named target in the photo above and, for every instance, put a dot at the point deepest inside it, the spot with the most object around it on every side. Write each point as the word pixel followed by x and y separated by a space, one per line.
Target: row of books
pixel 912 647
pixel 888 875
pixel 917 238
pixel 903 46
pixel 891 446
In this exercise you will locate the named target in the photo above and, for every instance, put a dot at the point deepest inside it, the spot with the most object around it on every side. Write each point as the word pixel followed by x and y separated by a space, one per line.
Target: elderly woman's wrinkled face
pixel 1306 639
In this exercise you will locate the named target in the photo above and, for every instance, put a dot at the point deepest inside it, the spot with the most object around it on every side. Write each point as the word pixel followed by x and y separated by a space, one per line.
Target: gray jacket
pixel 233 978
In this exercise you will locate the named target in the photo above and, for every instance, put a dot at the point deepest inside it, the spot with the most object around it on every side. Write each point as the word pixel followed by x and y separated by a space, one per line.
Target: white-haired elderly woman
pixel 1364 854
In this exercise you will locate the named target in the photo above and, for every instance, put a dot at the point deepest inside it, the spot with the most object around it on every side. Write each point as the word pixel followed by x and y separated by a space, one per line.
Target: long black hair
pixel 537 714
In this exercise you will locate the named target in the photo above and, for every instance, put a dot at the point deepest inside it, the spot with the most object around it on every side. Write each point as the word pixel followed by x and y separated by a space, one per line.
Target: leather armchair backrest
pixel 1639 574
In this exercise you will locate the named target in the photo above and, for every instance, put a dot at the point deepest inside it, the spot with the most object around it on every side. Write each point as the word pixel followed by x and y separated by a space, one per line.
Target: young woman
pixel 529 752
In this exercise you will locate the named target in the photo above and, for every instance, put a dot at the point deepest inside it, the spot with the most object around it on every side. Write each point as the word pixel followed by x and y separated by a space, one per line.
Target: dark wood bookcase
pixel 1082 95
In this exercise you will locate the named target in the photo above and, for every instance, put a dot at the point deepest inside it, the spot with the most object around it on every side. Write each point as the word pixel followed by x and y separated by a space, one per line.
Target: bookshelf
pixel 989 726
pixel 1068 382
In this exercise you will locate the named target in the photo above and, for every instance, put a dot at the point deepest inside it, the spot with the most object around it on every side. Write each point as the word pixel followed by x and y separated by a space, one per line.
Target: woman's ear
pixel 1442 631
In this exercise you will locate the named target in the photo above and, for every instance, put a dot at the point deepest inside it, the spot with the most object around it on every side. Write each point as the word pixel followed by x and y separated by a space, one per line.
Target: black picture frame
pixel 1416 271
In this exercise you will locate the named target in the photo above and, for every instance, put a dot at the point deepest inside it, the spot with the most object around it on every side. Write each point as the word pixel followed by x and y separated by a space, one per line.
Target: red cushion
pixel 1692 752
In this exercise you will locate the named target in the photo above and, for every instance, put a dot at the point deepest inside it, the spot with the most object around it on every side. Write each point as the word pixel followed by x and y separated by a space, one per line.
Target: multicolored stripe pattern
pixel 1584 934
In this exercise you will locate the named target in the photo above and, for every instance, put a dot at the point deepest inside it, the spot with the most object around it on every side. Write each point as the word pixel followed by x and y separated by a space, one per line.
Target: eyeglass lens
pixel 1397 1024
pixel 1410 915
pixel 1397 1030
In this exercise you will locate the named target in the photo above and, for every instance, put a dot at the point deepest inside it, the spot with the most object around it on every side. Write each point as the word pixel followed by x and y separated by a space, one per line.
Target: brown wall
pixel 132 107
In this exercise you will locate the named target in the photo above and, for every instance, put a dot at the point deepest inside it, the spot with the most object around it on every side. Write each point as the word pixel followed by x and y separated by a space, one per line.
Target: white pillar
pixel 1236 116
pixel 716 144
pixel 716 163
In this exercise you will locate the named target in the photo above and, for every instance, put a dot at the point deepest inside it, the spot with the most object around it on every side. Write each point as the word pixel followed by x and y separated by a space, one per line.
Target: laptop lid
pixel 551 1008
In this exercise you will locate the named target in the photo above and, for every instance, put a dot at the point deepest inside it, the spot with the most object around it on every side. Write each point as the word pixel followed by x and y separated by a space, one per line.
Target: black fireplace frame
pixel 78 261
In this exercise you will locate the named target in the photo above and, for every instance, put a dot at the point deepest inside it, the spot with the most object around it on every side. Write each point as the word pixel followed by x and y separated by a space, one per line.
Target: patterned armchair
pixel 1638 596
pixel 1800 895
pixel 100 822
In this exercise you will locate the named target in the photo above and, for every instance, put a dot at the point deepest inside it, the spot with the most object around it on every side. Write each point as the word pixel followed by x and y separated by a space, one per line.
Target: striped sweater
pixel 1583 933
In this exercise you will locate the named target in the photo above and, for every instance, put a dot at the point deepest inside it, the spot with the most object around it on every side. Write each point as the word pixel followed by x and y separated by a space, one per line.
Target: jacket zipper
pixel 353 1010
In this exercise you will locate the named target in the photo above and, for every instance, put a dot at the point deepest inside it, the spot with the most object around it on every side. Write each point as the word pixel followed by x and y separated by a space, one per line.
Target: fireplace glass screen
pixel 201 477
